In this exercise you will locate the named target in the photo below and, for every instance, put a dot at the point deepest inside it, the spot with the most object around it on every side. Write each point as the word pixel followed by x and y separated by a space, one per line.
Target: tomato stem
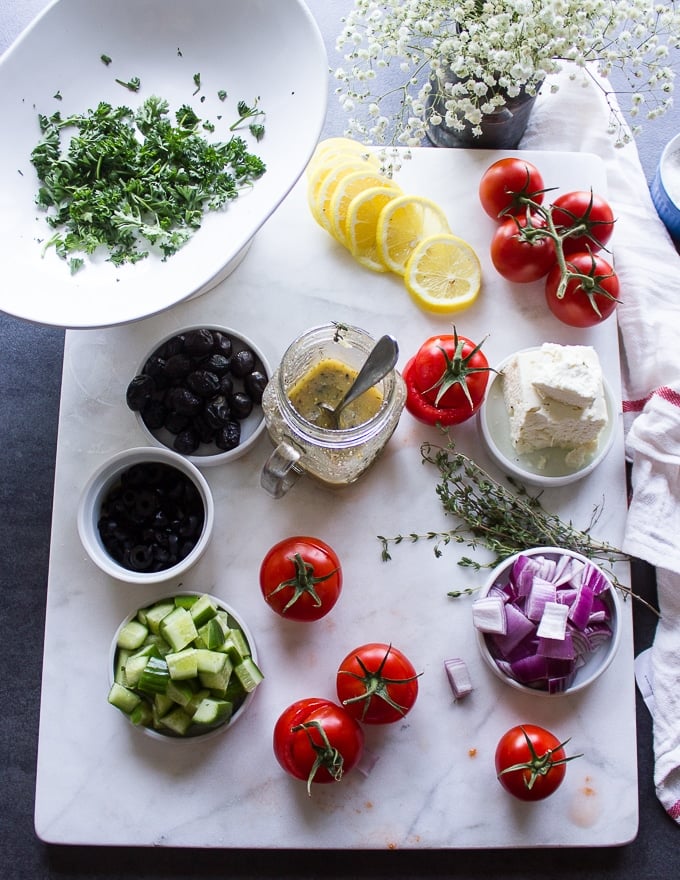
pixel 327 756
pixel 538 765
pixel 302 582
pixel 376 685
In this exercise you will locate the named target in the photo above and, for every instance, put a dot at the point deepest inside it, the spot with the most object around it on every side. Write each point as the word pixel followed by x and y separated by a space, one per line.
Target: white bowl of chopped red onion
pixel 547 621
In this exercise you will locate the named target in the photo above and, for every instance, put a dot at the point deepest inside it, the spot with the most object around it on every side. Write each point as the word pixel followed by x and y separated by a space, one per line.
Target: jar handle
pixel 279 472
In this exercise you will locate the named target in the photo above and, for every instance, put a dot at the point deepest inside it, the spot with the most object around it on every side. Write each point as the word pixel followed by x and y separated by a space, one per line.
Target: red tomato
pixel 446 380
pixel 530 762
pixel 506 183
pixel 316 740
pixel 521 251
pixel 586 212
pixel 591 291
pixel 301 578
pixel 377 683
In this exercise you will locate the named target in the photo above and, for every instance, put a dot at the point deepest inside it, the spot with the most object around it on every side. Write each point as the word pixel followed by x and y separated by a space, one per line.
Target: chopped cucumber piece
pixel 123 698
pixel 249 674
pixel 132 635
pixel 212 712
pixel 212 661
pixel 156 613
pixel 178 629
pixel 177 720
pixel 175 669
pixel 212 634
pixel 183 664
pixel 155 677
pixel 203 610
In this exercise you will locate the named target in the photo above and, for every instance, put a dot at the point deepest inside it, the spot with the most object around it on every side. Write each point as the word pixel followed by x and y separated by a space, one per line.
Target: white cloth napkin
pixel 649 320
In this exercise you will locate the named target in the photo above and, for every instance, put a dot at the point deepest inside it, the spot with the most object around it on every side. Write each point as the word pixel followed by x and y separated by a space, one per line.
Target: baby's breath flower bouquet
pixel 459 60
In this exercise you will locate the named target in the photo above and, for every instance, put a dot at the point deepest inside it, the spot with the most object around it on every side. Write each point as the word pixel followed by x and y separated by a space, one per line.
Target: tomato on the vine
pixel 531 762
pixel 586 212
pixel 505 184
pixel 317 740
pixel 587 294
pixel 377 683
pixel 521 249
pixel 446 380
pixel 301 578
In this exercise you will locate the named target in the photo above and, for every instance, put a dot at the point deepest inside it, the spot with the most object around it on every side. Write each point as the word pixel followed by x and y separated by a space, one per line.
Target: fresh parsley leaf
pixel 132 84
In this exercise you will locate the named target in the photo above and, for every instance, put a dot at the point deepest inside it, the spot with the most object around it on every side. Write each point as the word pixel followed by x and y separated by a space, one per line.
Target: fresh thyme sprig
pixel 503 521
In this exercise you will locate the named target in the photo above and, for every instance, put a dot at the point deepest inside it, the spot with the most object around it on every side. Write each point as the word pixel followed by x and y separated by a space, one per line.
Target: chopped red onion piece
pixel 540 593
pixel 517 627
pixel 559 649
pixel 488 615
pixel 553 622
pixel 459 677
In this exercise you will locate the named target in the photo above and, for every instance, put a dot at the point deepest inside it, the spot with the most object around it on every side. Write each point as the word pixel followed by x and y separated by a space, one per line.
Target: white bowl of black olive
pixel 199 393
pixel 146 515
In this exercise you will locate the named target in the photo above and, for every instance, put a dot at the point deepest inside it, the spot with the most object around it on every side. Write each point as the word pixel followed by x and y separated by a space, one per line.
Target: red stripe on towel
pixel 674 811
pixel 668 394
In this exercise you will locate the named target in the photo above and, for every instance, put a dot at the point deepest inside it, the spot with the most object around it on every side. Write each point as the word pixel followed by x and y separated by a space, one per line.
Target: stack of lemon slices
pixel 386 229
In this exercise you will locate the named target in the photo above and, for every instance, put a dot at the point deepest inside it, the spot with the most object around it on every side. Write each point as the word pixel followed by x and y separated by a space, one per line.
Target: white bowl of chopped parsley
pixel 144 159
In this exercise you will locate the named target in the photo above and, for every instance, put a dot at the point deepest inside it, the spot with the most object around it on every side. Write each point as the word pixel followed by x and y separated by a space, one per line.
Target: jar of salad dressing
pixel 318 367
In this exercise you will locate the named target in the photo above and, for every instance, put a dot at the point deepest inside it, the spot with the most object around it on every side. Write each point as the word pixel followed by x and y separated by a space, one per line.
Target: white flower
pixel 499 48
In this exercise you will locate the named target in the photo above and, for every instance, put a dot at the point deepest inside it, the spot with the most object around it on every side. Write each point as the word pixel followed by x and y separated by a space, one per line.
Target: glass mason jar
pixel 333 457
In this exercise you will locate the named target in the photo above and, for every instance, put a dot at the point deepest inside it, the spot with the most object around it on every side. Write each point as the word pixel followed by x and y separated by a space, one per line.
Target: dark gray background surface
pixel 30 376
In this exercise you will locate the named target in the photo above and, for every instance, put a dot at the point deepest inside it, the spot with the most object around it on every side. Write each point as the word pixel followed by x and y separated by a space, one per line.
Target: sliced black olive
pixel 254 384
pixel 243 362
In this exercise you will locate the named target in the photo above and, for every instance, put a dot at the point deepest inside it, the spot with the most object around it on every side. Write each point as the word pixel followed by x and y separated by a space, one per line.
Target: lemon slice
pixel 403 224
pixel 322 183
pixel 349 186
pixel 361 224
pixel 443 274
pixel 340 149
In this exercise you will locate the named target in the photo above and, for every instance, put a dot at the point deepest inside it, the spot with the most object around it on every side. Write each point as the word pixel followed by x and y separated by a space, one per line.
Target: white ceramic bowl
pixel 269 52
pixel 597 662
pixel 252 426
pixel 545 467
pixel 105 478
pixel 240 710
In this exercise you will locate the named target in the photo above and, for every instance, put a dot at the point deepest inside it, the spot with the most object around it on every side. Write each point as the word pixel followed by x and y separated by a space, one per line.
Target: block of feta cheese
pixel 554 396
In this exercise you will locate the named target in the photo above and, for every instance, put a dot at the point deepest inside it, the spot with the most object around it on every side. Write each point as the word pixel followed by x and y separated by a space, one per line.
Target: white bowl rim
pixel 215 458
pixel 105 474
pixel 215 731
pixel 612 646
pixel 534 477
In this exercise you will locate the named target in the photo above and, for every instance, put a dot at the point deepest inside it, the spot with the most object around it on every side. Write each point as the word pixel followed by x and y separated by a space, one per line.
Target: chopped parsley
pixel 105 59
pixel 132 84
pixel 129 180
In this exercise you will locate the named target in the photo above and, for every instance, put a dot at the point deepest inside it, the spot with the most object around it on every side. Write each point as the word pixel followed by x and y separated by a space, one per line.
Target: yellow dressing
pixel 327 382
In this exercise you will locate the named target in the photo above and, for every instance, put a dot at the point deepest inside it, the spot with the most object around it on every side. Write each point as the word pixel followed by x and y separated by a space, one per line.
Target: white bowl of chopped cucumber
pixel 183 667
pixel 139 165
pixel 146 515
pixel 547 621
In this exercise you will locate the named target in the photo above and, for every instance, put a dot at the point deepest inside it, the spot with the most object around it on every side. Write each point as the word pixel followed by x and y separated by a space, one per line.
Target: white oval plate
pixel 267 51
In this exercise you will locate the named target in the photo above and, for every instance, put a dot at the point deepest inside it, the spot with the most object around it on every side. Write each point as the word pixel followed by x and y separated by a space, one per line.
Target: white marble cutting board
pixel 433 785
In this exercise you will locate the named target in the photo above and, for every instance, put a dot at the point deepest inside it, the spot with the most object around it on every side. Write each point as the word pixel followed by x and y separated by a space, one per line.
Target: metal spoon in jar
pixel 381 359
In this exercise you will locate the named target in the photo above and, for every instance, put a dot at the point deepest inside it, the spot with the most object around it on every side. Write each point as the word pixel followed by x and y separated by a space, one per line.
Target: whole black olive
pixel 176 422
pixel 171 346
pixel 218 364
pixel 139 392
pixel 243 362
pixel 154 414
pixel 240 404
pixel 254 384
pixel 198 342
pixel 203 383
pixel 177 366
pixel 187 441
pixel 222 343
pixel 155 367
pixel 226 384
pixel 229 436
pixel 182 401
pixel 205 431
pixel 217 412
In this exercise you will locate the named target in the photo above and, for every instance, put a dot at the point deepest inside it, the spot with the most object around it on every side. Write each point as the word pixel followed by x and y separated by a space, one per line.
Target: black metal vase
pixel 501 130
